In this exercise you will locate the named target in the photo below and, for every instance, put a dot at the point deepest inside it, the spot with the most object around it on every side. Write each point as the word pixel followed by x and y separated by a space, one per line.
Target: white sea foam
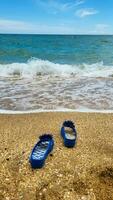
pixel 35 67
pixel 81 110
pixel 60 87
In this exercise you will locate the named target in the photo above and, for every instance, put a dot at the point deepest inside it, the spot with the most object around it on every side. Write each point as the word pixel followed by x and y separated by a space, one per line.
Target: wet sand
pixel 82 173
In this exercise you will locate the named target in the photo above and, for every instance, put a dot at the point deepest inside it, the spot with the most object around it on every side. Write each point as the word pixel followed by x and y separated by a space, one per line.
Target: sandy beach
pixel 82 173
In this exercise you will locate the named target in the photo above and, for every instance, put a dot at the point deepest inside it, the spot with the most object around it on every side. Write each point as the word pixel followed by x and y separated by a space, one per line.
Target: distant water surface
pixel 50 72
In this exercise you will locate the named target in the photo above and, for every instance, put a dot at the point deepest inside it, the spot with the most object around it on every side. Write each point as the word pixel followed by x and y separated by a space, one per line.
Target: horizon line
pixel 63 34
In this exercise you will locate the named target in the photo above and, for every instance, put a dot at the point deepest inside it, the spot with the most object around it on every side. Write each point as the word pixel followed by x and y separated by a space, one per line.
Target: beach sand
pixel 82 173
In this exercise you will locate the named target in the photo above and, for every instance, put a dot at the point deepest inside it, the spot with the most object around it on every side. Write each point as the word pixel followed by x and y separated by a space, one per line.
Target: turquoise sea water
pixel 68 49
pixel 56 72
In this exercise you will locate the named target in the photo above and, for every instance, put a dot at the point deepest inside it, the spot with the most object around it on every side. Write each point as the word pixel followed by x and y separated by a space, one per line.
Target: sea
pixel 56 73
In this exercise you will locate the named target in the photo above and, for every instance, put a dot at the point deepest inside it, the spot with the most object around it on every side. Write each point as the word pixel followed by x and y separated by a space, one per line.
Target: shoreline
pixel 84 172
pixel 83 110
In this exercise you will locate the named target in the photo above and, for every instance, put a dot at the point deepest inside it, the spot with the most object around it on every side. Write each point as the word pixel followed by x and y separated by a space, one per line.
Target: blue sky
pixel 56 16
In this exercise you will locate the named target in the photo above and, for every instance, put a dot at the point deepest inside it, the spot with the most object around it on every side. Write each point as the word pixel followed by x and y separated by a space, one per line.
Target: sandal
pixel 41 150
pixel 68 133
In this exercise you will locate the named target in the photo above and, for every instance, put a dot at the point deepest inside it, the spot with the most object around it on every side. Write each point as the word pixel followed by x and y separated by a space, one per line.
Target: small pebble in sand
pixel 7 198
pixel 44 190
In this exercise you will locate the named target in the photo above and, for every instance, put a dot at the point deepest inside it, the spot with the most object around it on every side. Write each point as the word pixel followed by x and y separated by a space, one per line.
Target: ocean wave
pixel 37 67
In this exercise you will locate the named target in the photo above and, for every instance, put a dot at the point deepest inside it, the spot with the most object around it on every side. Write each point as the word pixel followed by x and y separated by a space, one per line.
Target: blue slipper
pixel 68 133
pixel 41 150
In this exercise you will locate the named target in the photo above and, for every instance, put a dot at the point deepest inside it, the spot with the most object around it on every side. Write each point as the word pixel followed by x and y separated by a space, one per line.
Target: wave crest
pixel 35 67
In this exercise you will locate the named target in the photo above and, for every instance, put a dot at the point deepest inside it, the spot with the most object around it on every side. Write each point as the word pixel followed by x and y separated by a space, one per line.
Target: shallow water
pixel 40 72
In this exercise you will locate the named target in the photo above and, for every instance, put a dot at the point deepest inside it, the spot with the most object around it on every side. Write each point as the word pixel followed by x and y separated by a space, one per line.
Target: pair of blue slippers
pixel 46 142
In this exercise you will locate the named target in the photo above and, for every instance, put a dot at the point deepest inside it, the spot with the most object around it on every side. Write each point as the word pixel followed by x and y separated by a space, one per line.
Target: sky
pixel 56 16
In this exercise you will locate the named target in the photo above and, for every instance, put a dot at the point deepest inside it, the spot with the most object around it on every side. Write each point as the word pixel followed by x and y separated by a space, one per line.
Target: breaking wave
pixel 35 67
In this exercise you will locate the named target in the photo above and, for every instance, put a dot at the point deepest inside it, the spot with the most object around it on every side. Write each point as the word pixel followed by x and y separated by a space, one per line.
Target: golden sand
pixel 82 173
